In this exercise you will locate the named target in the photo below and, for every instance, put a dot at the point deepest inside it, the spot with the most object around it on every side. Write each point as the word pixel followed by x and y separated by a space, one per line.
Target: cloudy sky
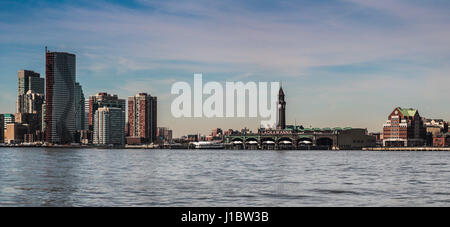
pixel 341 62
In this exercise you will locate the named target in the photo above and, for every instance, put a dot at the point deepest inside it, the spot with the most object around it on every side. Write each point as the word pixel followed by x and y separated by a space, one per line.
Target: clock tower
pixel 281 124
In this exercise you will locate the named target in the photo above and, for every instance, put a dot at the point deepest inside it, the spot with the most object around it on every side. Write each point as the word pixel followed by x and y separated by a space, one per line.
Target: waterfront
pixel 97 177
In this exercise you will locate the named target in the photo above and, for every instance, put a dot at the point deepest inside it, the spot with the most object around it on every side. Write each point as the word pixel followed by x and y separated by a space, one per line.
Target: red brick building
pixel 142 121
pixel 442 140
pixel 439 141
pixel 404 127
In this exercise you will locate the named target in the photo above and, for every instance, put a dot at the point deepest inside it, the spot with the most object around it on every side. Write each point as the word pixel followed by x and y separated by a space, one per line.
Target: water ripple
pixel 76 177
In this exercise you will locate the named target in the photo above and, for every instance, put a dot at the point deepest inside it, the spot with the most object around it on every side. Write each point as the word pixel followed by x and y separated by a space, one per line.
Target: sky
pixel 341 62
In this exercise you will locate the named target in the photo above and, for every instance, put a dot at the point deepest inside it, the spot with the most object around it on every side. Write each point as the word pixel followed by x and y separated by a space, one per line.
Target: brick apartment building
pixel 142 119
pixel 404 127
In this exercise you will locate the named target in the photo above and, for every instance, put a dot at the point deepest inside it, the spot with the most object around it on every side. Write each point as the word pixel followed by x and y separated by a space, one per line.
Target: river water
pixel 95 177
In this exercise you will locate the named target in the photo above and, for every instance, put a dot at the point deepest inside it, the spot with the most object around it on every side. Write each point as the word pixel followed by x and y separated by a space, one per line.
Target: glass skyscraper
pixel 30 85
pixel 30 80
pixel 79 107
pixel 60 97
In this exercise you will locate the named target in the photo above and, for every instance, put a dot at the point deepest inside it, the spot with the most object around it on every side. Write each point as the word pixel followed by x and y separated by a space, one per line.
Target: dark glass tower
pixel 60 97
pixel 30 80
pixel 281 110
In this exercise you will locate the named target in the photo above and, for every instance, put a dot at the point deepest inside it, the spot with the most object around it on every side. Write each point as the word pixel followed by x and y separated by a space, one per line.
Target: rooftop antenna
pixel 46 49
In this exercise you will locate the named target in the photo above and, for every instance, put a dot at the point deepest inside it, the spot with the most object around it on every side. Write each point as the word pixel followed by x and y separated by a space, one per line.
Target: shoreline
pixel 147 147
pixel 406 149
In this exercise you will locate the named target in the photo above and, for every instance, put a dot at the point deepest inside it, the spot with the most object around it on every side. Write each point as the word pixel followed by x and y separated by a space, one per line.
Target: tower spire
pixel 281 110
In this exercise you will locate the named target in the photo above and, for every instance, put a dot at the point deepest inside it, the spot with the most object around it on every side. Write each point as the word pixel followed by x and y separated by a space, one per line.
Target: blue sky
pixel 342 63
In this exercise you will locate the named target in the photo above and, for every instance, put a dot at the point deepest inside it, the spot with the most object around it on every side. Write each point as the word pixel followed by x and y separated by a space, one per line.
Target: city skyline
pixel 342 63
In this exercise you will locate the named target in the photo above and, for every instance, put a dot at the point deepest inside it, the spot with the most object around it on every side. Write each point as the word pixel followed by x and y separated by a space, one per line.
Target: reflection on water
pixel 77 177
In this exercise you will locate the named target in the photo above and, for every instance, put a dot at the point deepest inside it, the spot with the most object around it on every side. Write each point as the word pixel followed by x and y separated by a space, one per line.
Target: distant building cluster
pixel 406 128
pixel 54 111
pixel 284 137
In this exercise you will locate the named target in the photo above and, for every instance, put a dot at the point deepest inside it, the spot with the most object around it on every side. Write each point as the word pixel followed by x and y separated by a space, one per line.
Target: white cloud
pixel 251 40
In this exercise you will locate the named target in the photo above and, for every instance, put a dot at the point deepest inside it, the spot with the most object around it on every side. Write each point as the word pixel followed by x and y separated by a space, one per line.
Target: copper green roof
pixel 347 128
pixel 337 129
pixel 326 129
pixel 409 112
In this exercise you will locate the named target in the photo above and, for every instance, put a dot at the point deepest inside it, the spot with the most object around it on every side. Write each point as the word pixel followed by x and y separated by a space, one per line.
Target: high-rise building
pixel 2 128
pixel 31 120
pixel 142 118
pixel 79 107
pixel 29 113
pixel 8 119
pixel 281 110
pixel 29 105
pixel 86 114
pixel 43 114
pixel 100 100
pixel 109 126
pixel 30 94
pixel 60 97
pixel 31 102
pixel 404 127
pixel 30 80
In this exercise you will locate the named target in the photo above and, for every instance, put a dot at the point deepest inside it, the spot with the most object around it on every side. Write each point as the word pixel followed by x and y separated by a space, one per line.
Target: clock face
pixel 396 112
pixel 279 105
